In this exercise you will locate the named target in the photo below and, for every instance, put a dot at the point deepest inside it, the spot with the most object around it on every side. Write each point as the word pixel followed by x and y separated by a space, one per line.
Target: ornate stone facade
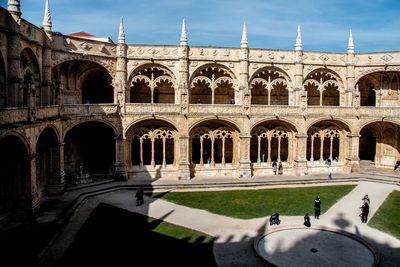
pixel 71 106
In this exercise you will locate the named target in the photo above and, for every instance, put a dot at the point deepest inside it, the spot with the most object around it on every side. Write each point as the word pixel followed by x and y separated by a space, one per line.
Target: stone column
pixel 184 165
pixel 120 172
pixel 14 72
pixel 353 161
pixel 312 149
pixel 201 152
pixel 141 152
pixel 223 151
pixel 301 155
pixel 153 163
pixel 212 152
pixel 269 149
pixel 321 157
pixel 298 77
pixel 279 148
pixel 245 164
pixel 46 93
pixel 164 162
pixel 56 184
pixel 258 150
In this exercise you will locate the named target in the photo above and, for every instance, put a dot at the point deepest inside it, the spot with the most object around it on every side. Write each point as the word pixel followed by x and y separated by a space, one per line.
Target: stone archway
pixel 15 183
pixel 81 82
pixel 380 143
pixel 89 149
pixel 213 148
pixel 30 72
pixel 324 88
pixel 152 149
pixel 47 162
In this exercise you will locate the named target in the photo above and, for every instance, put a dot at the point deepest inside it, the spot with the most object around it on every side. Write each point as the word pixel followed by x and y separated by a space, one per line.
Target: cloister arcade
pixel 152 84
pixel 324 88
pixel 213 84
pixel 270 86
pixel 81 82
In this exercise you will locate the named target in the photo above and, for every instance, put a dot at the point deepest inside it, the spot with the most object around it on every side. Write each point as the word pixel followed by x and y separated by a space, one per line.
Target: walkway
pixel 234 237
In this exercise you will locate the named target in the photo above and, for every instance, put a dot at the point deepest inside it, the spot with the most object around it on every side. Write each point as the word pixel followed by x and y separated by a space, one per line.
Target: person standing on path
pixel 139 196
pixel 280 168
pixel 317 207
pixel 274 166
pixel 365 212
pixel 366 199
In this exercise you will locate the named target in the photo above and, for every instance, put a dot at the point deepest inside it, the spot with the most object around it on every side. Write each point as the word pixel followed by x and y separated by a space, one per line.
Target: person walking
pixel 366 199
pixel 139 196
pixel 274 166
pixel 280 168
pixel 307 220
pixel 364 212
pixel 317 207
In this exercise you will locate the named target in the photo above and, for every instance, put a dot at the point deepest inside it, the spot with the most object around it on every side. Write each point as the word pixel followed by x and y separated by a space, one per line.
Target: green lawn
pixel 248 204
pixel 387 217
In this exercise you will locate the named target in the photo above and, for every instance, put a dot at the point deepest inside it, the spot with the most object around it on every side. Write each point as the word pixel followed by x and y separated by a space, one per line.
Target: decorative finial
pixel 121 34
pixel 184 40
pixel 299 45
pixel 350 46
pixel 46 24
pixel 244 42
pixel 14 7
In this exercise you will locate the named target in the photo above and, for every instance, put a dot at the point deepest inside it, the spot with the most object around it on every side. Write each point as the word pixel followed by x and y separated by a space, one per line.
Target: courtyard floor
pixel 234 238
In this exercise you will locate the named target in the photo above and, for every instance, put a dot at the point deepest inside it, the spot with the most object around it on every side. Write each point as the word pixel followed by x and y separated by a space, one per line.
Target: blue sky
pixel 324 24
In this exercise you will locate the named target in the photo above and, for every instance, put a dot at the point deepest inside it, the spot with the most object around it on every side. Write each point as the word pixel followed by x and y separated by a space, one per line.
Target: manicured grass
pixel 248 204
pixel 388 215
pixel 116 237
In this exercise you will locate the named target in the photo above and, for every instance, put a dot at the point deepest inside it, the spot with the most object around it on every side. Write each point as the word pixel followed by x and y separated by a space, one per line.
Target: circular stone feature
pixel 312 247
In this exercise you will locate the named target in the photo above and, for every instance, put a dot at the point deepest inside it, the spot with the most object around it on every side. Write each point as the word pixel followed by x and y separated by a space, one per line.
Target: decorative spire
pixel 121 34
pixel 14 7
pixel 350 46
pixel 299 45
pixel 46 24
pixel 244 42
pixel 183 34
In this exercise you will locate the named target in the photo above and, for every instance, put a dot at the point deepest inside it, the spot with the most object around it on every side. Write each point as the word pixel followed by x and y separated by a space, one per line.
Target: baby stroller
pixel 274 219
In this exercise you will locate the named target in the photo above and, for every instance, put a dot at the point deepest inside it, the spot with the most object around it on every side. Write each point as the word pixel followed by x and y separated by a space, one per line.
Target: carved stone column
pixel 184 166
pixel 353 161
pixel 56 184
pixel 301 156
pixel 120 171
pixel 46 93
pixel 244 162
pixel 14 73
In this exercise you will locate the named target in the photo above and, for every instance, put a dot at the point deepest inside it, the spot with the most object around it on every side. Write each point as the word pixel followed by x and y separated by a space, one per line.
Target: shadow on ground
pixel 114 236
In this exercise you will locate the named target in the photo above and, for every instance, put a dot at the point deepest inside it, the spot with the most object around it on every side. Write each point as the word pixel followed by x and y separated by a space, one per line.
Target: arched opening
pixel 367 147
pixel 152 84
pixel 152 146
pixel 212 84
pixel 96 87
pixel 367 91
pixel 89 148
pixel 379 143
pixel 271 141
pixel 47 161
pixel 269 87
pixel 30 73
pixel 326 141
pixel 213 143
pixel 3 90
pixel 14 178
pixel 323 88
pixel 81 82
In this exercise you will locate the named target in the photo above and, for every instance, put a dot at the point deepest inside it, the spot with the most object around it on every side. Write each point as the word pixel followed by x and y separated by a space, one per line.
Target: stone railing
pixel 92 109
pixel 144 108
pixel 46 112
pixel 215 109
pixel 13 115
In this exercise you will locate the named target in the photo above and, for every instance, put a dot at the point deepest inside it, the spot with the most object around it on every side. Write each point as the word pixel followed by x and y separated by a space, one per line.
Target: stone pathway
pixel 234 237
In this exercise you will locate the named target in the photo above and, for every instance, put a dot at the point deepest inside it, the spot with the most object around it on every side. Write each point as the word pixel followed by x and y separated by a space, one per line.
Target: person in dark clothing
pixel 397 165
pixel 364 212
pixel 317 207
pixel 280 168
pixel 307 220
pixel 274 167
pixel 139 196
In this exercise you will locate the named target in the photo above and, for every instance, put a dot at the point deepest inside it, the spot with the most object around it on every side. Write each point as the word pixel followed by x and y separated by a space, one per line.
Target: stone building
pixel 80 106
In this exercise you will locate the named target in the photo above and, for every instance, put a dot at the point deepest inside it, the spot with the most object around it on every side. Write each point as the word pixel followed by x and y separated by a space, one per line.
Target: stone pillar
pixel 298 78
pixel 244 95
pixel 56 184
pixel 184 165
pixel 244 162
pixel 121 94
pixel 212 151
pixel 259 150
pixel 350 80
pixel 120 172
pixel 353 161
pixel 182 92
pixel 14 7
pixel 14 72
pixel 301 156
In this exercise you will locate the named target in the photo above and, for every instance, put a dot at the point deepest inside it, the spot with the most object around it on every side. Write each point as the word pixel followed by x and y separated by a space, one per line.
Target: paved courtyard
pixel 235 237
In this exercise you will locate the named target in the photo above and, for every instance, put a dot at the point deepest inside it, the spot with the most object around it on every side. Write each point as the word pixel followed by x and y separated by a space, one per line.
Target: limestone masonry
pixel 75 107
